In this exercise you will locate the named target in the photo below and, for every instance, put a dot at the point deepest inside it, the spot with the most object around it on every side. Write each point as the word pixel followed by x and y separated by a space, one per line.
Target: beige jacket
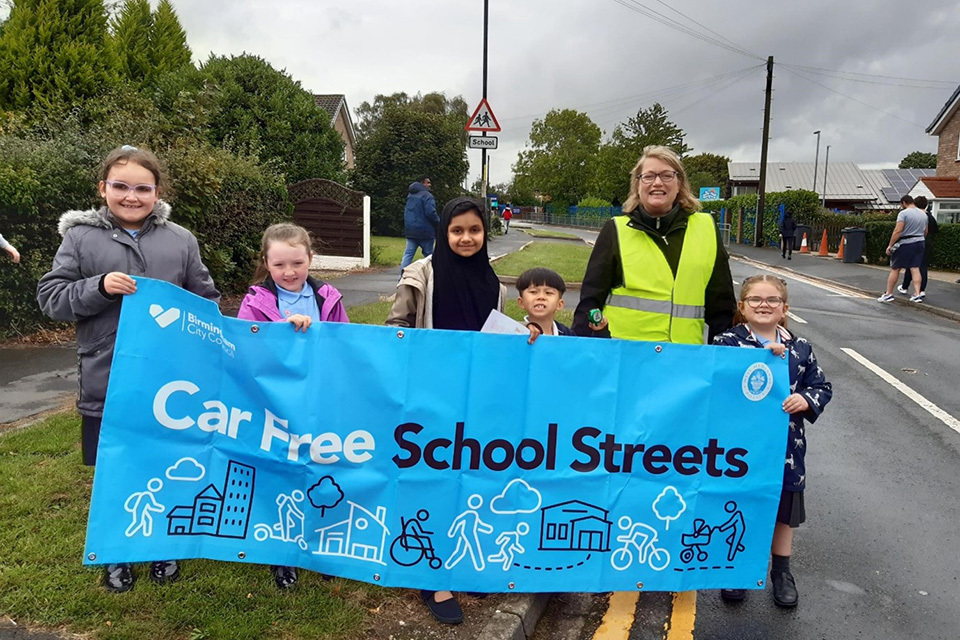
pixel 413 306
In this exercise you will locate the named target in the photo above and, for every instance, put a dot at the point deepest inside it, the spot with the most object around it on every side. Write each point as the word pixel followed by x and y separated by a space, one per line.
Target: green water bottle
pixel 595 316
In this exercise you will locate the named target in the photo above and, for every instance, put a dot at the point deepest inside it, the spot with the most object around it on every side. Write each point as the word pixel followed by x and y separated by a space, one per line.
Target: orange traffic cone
pixel 843 243
pixel 823 245
pixel 803 244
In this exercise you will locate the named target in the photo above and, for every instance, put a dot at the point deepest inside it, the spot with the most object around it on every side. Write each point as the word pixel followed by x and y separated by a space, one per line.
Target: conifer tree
pixel 54 53
pixel 168 42
pixel 132 32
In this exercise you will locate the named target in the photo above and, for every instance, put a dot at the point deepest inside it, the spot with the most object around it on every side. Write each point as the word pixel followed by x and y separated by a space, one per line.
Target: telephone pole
pixel 758 227
pixel 483 152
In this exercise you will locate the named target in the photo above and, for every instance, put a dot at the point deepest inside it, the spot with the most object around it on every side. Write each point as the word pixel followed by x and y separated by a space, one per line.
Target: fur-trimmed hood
pixel 104 219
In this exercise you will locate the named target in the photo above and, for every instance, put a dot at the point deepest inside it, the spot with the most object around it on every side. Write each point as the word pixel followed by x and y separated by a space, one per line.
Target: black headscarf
pixel 465 290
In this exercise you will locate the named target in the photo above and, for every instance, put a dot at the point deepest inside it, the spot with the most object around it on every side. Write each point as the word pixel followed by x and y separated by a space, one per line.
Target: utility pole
pixel 758 227
pixel 816 160
pixel 483 152
pixel 826 163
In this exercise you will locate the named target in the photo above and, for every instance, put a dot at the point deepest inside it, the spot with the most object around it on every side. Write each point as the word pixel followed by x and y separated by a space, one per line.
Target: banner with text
pixel 436 459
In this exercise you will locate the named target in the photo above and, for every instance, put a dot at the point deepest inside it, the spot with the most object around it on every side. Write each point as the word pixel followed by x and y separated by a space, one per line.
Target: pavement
pixel 37 379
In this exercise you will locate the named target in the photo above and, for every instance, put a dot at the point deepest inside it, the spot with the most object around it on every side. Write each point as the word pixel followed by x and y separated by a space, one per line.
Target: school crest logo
pixel 757 382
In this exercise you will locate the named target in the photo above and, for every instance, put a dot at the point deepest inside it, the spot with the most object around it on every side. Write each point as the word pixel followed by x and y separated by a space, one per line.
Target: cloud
pixel 186 469
pixel 519 495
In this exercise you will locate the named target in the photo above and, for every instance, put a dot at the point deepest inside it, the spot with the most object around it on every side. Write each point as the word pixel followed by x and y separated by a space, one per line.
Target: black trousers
pixel 90 439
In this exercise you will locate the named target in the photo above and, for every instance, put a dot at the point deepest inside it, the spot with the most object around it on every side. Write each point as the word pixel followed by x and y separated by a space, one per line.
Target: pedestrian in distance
pixel 932 228
pixel 507 216
pixel 541 296
pixel 455 288
pixel 284 291
pixel 906 246
pixel 420 221
pixel 10 249
pixel 131 235
pixel 660 271
pixel 788 229
pixel 762 323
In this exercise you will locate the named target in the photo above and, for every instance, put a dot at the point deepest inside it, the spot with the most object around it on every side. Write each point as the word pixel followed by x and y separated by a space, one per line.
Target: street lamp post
pixel 826 163
pixel 816 160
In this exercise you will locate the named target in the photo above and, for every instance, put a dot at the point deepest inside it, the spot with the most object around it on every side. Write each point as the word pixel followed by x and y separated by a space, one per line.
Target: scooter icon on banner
pixel 289 526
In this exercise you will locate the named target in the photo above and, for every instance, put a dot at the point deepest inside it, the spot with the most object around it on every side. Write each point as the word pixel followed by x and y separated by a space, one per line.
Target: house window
pixel 205 522
pixel 209 508
pixel 551 532
pixel 562 533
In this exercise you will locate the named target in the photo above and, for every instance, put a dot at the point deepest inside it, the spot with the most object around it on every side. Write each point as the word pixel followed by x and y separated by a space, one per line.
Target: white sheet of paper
pixel 501 323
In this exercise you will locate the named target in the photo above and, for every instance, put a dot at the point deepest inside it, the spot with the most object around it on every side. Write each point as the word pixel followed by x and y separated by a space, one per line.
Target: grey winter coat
pixel 94 245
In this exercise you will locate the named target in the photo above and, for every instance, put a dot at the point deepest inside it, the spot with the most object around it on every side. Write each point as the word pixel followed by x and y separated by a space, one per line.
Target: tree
pixel 649 126
pixel 561 160
pixel 710 170
pixel 131 41
pixel 400 138
pixel 54 54
pixel 169 50
pixel 919 160
pixel 260 110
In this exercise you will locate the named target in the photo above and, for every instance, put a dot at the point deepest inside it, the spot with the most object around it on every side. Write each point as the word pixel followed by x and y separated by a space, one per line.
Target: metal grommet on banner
pixel 376 577
pixel 400 334
pixel 242 555
pixel 511 585
pixel 254 328
pixel 659 348
pixel 91 557
pixel 759 583
pixel 639 585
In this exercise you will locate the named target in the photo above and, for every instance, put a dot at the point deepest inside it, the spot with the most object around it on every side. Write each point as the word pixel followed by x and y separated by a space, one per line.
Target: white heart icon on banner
pixel 164 318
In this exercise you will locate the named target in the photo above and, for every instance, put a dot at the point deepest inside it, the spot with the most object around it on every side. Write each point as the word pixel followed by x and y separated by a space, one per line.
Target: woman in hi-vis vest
pixel 658 272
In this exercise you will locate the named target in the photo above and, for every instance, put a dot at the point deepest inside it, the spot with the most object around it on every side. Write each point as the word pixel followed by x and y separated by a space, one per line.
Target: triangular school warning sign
pixel 483 118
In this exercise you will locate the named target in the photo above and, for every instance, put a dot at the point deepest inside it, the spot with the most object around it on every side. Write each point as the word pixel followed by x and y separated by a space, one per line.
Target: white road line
pixel 795 318
pixel 925 404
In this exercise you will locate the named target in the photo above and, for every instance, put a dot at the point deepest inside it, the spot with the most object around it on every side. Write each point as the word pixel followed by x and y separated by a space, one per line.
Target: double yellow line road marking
pixel 621 612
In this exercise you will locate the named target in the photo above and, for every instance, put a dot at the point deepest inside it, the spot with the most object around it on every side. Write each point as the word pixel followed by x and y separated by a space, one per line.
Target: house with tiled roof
pixel 944 196
pixel 946 126
pixel 336 105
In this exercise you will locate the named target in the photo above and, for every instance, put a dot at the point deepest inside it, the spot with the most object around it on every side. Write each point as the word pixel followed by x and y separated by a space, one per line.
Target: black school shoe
pixel 285 577
pixel 733 595
pixel 164 571
pixel 118 578
pixel 446 612
pixel 784 589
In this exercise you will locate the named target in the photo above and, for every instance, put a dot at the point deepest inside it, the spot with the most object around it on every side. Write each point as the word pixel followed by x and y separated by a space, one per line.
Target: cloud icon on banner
pixel 519 495
pixel 186 469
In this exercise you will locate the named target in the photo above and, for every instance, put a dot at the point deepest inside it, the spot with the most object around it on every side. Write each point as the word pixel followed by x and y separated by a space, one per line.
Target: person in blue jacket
pixel 420 221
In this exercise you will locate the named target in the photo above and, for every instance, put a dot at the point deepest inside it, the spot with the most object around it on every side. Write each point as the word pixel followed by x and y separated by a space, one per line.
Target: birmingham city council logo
pixel 164 318
pixel 757 382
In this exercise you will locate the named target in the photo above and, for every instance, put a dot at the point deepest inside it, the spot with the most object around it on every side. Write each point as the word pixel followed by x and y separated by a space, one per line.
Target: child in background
pixel 761 322
pixel 455 288
pixel 541 296
pixel 131 235
pixel 284 291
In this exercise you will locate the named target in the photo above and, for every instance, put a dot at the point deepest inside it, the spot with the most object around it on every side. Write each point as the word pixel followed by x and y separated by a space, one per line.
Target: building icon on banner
pixel 220 513
pixel 574 526
pixel 361 536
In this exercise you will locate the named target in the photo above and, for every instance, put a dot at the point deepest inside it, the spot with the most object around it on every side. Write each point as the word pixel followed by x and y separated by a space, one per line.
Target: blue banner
pixel 436 459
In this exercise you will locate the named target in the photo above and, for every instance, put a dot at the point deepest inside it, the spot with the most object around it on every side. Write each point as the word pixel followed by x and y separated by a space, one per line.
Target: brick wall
pixel 947 164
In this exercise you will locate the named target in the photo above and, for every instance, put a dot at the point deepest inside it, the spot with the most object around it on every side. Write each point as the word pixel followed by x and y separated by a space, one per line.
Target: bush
pixel 594 202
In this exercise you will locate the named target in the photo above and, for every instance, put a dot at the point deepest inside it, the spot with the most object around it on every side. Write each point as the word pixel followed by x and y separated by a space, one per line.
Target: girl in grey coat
pixel 131 236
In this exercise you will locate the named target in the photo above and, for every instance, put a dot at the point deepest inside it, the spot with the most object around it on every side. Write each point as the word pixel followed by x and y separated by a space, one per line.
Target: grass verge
pixel 45 499
pixel 388 252
pixel 569 260
pixel 544 233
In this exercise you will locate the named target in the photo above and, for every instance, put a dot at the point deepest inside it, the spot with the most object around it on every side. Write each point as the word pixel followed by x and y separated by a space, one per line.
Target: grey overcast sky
pixel 870 75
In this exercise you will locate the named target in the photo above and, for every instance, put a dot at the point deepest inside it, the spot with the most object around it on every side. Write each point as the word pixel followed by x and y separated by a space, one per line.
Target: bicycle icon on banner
pixel 639 539
pixel 414 543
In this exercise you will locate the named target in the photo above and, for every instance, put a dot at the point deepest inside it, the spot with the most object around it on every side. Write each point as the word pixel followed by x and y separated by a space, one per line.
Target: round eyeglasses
pixel 755 301
pixel 665 177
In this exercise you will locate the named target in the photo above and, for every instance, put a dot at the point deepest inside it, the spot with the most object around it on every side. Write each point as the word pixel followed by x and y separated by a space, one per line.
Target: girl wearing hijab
pixel 455 288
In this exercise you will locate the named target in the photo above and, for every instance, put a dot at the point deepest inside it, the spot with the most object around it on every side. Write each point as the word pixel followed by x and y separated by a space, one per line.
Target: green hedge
pixel 946 245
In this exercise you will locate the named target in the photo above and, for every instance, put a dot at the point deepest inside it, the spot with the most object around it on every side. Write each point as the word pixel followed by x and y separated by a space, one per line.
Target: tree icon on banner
pixel 326 494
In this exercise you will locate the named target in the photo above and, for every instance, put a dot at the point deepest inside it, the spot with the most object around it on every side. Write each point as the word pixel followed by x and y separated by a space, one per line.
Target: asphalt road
pixel 877 557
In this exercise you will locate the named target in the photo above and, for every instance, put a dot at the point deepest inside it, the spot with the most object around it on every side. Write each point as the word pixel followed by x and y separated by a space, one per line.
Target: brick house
pixel 946 126
pixel 336 106
pixel 944 196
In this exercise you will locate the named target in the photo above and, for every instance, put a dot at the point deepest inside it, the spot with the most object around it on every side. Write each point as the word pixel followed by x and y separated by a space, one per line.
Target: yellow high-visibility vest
pixel 652 304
